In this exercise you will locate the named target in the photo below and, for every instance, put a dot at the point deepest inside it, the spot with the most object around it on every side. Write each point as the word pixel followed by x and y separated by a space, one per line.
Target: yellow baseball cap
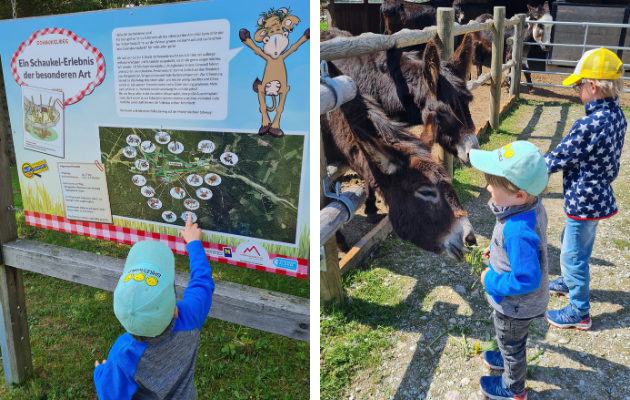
pixel 596 64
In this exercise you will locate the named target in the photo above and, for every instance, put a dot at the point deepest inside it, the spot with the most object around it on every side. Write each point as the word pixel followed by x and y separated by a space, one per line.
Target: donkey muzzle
pixel 468 142
pixel 460 236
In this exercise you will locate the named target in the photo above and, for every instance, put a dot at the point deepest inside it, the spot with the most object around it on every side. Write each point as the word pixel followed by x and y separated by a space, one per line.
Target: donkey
pixel 533 32
pixel 423 206
pixel 399 14
pixel 409 89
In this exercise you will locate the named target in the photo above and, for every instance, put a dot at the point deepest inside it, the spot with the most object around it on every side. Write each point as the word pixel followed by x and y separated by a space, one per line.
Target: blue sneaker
pixel 567 318
pixel 558 287
pixel 494 388
pixel 494 360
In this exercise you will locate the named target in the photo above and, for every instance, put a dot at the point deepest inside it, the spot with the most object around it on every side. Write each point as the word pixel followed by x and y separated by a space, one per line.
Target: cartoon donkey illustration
pixel 274 27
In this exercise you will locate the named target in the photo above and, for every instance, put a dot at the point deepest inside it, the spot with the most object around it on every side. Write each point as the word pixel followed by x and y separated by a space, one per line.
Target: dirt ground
pixel 569 363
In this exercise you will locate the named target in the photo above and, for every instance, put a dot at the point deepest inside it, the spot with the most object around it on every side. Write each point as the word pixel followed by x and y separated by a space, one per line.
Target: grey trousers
pixel 512 341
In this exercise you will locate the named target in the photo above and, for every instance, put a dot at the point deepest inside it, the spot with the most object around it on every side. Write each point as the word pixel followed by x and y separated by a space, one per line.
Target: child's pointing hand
pixel 192 232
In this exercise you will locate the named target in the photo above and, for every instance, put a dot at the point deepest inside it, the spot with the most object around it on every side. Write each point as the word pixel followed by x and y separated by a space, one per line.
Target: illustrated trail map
pixel 235 183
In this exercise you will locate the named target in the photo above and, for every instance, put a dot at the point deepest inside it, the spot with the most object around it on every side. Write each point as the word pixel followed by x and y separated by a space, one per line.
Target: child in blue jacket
pixel 589 159
pixel 155 359
pixel 517 278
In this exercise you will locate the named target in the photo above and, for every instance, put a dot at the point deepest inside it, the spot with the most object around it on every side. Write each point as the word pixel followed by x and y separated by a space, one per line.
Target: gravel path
pixel 437 295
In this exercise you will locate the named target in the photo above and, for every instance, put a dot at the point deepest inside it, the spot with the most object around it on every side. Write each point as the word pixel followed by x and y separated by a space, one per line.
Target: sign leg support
pixel 14 338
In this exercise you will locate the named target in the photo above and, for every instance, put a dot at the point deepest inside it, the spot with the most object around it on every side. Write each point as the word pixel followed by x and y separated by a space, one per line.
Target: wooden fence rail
pixel 268 311
pixel 344 47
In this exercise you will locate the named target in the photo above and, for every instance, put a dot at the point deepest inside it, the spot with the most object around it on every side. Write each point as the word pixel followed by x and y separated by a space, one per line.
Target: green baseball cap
pixel 144 299
pixel 520 162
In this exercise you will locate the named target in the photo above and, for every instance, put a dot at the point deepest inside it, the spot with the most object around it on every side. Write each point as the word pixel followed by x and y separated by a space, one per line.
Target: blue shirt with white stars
pixel 589 158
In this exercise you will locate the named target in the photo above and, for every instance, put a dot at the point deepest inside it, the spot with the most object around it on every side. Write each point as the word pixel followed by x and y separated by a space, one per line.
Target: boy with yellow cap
pixel 155 359
pixel 589 159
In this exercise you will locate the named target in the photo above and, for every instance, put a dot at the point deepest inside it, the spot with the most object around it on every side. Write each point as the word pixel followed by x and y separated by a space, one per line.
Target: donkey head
pixel 423 206
pixel 447 100
pixel 541 32
pixel 274 27
pixel 458 5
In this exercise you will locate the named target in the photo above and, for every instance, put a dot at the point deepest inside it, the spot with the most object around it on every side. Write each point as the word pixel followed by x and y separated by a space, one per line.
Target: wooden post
pixel 517 56
pixel 331 12
pixel 330 280
pixel 366 16
pixel 446 43
pixel 14 338
pixel 496 70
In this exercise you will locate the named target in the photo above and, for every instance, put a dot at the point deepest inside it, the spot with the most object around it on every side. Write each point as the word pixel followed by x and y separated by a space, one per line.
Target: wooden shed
pixel 358 16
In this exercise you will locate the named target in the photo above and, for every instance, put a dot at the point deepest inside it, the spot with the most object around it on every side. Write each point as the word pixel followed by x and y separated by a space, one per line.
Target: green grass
pixel 72 325
pixel 468 181
pixel 621 244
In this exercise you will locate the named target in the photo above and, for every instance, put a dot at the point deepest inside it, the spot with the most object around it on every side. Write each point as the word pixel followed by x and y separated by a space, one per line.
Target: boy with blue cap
pixel 517 278
pixel 155 359
pixel 589 158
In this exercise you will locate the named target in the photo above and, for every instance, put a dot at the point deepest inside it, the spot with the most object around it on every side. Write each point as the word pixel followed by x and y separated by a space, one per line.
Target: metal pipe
pixel 545 72
pixel 585 36
pixel 558 61
pixel 581 24
pixel 577 45
pixel 561 73
pixel 558 86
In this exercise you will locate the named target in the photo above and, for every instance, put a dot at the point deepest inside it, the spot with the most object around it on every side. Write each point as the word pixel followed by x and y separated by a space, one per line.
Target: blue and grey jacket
pixel 162 367
pixel 518 282
pixel 589 158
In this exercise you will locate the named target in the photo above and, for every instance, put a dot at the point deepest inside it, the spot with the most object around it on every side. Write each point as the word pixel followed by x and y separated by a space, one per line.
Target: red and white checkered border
pixel 133 236
pixel 100 61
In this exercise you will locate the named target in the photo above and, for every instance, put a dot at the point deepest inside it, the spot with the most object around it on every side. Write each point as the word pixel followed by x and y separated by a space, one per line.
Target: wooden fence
pixel 444 34
pixel 268 311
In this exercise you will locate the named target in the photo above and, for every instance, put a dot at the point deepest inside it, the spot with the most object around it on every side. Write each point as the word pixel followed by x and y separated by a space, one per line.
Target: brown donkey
pixel 540 33
pixel 408 87
pixel 423 206
pixel 274 28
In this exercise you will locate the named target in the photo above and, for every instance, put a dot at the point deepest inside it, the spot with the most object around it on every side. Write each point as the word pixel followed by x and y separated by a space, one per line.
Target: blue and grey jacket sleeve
pixel 521 245
pixel 572 149
pixel 114 379
pixel 193 309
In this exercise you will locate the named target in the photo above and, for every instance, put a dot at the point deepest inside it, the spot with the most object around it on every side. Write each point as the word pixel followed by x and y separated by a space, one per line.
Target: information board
pixel 127 121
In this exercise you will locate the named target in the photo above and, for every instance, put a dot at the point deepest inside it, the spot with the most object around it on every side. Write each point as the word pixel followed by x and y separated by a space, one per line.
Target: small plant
pixel 475 258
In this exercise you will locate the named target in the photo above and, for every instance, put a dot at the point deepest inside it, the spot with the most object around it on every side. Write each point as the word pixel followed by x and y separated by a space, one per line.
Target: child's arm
pixel 114 379
pixel 572 149
pixel 521 244
pixel 194 308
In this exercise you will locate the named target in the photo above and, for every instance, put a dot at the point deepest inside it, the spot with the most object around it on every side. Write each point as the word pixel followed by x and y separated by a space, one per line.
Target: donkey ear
pixel 431 67
pixel 379 155
pixel 429 129
pixel 530 8
pixel 459 62
pixel 546 6
pixel 387 158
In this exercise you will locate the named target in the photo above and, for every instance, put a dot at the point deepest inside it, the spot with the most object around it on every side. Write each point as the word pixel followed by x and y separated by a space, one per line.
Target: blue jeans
pixel 577 244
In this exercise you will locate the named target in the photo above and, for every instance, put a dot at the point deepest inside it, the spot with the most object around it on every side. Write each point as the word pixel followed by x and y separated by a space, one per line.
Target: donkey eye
pixel 426 193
